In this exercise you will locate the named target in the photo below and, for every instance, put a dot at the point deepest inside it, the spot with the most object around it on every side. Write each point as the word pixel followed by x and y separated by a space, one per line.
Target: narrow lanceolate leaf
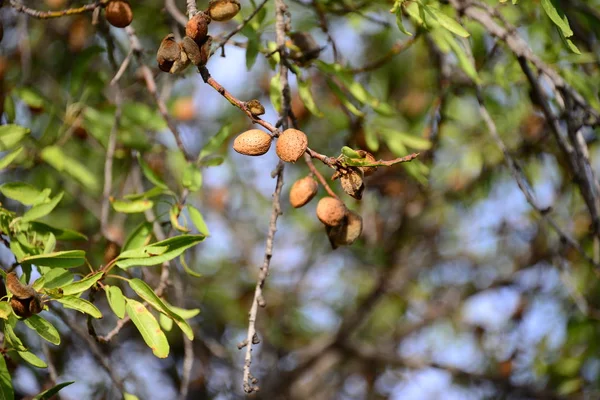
pixel 215 142
pixel 60 259
pixel 11 338
pixel 116 300
pixel 43 328
pixel 159 252
pixel 149 328
pixel 81 305
pixel 22 192
pixel 10 157
pixel 139 237
pixel 563 24
pixel 32 359
pixel 445 21
pixel 47 394
pixel 41 210
pixel 82 285
pixel 149 174
pixel 11 135
pixel 130 207
pixel 307 97
pixel 6 388
pixel 198 220
pixel 145 292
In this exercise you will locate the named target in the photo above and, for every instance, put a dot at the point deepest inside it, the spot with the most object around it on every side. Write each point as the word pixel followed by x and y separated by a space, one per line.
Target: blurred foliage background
pixel 458 288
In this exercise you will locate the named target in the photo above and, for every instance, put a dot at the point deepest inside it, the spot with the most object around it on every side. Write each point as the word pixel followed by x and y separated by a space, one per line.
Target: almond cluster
pixel 174 57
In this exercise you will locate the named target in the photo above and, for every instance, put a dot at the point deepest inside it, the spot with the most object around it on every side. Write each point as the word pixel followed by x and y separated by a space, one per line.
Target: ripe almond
pixel 352 182
pixel 291 144
pixel 252 143
pixel 223 10
pixel 118 13
pixel 197 28
pixel 331 211
pixel 302 191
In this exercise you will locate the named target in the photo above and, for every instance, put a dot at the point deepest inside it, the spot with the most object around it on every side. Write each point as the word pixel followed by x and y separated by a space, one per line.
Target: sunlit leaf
pixel 131 207
pixel 116 300
pixel 148 327
pixel 62 259
pixel 43 328
pixel 159 252
pixel 11 135
pixel 32 359
pixel 81 285
pixel 198 220
pixel 80 305
pixel 10 157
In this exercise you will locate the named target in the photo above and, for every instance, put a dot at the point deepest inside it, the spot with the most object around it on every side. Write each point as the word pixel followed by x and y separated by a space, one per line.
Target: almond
pixel 223 10
pixel 252 143
pixel 291 144
pixel 119 14
pixel 302 191
pixel 197 28
pixel 331 211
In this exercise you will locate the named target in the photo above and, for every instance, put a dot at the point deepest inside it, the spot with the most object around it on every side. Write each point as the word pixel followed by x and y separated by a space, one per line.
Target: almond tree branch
pixel 56 14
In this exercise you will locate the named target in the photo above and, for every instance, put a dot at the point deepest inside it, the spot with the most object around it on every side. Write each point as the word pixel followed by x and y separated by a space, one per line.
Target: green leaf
pixel 32 359
pixel 43 328
pixel 198 220
pixel 415 142
pixel 187 269
pixel 335 89
pixel 398 10
pixel 60 161
pixel 30 97
pixel 6 388
pixel 275 93
pixel 11 135
pixel 10 337
pixel 5 310
pixel 154 192
pixel 145 292
pixel 116 300
pixel 192 177
pixel 445 21
pixel 355 88
pixel 174 214
pixel 185 314
pixel 569 43
pixel 215 142
pixel 129 396
pixel 130 207
pixel 54 278
pixel 165 322
pixel 24 193
pixel 10 157
pixel 140 114
pixel 149 328
pixel 60 234
pixel 348 152
pixel 139 237
pixel 10 109
pixel 159 252
pixel 41 210
pixel 81 285
pixel 371 138
pixel 307 97
pixel 47 394
pixel 149 174
pixel 563 24
pixel 63 259
pixel 81 305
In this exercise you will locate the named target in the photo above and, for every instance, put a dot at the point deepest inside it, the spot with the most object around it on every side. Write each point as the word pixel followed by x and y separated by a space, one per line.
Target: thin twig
pixel 121 69
pixel 108 165
pixel 56 14
pixel 177 15
pixel 524 186
pixel 191 8
pixel 396 49
pixel 239 28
